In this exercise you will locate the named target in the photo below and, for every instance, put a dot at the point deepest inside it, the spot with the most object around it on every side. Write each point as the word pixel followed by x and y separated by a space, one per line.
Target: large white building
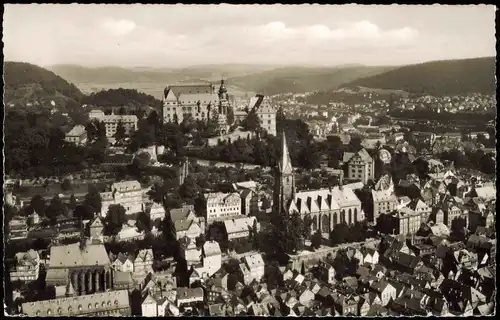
pixel 198 102
pixel 126 193
pixel 222 205
pixel 111 122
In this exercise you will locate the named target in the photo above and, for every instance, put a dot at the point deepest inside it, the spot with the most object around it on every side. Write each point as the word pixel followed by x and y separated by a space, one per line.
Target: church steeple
pixel 285 164
pixel 284 181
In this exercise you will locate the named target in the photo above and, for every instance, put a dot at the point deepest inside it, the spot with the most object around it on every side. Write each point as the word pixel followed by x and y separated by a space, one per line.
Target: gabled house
pixel 326 272
pixel 143 263
pixel 123 263
pixel 370 255
pixel 385 291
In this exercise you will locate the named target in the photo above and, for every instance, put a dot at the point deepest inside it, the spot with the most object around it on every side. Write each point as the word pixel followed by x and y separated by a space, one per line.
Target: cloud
pixel 118 27
pixel 362 30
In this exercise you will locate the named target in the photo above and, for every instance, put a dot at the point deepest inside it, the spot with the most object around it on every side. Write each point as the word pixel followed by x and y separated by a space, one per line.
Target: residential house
pixel 466 259
pixel 370 255
pixel 143 263
pixel 77 135
pixel 347 305
pixel 26 266
pixel 239 227
pixel 419 207
pixel 189 295
pixel 252 268
pixel 326 272
pixel 211 259
pixel 385 291
pixel 156 211
pixel 187 228
pixel 384 202
pixel 407 221
pixel 123 263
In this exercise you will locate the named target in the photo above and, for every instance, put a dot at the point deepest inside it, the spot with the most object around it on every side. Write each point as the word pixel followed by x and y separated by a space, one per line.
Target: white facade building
pixel 111 122
pixel 222 205
pixel 127 194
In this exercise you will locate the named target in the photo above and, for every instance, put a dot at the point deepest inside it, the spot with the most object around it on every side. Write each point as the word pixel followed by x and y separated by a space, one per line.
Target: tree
pixel 144 222
pixel 120 133
pixel 254 235
pixel 72 201
pixel 83 212
pixel 122 111
pixel 157 193
pixel 38 204
pixel 189 189
pixel 115 219
pixel 339 234
pixel 306 226
pixel 355 143
pixel 309 157
pixel 93 200
pixel 56 209
pixel 251 122
pixel 142 160
pixel 200 241
pixel 66 185
pixel 316 239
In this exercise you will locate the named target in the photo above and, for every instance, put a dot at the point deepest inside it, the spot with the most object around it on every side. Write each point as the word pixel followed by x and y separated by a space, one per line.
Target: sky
pixel 186 35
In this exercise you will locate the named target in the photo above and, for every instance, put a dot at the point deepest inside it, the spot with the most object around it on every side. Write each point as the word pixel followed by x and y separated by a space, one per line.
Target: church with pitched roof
pixel 327 207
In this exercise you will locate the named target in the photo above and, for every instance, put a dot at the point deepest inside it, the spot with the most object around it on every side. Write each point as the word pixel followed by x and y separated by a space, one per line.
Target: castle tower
pixel 222 126
pixel 284 181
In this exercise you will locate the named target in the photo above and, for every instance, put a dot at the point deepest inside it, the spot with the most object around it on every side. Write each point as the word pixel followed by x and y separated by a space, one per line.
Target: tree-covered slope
pixel 303 79
pixel 121 98
pixel 437 77
pixel 27 84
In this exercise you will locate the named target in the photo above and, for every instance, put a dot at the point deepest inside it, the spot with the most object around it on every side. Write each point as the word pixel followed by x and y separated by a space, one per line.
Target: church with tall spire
pixel 284 187
pixel 326 207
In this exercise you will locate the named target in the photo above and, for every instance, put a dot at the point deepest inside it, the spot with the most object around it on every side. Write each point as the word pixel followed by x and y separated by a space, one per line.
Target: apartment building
pixel 111 122
pixel 222 205
pixel 384 201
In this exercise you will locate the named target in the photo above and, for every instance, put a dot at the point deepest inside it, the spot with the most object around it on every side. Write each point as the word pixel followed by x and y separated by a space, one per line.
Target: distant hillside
pixel 303 79
pixel 437 77
pixel 113 75
pixel 29 84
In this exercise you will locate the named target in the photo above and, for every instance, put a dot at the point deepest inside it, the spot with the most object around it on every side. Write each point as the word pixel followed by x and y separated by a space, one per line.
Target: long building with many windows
pixel 111 122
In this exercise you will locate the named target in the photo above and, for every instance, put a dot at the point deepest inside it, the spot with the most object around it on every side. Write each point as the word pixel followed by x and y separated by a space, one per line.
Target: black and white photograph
pixel 220 160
